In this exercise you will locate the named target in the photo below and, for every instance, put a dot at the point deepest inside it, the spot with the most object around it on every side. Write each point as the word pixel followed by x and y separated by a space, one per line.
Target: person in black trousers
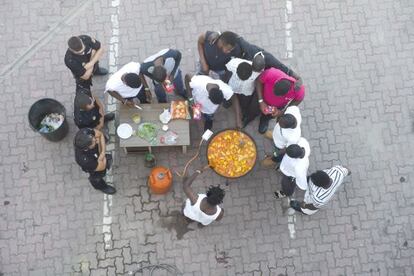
pixel 90 154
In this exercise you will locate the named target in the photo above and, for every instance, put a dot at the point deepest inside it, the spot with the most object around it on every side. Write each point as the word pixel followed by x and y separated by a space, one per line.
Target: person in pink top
pixel 276 91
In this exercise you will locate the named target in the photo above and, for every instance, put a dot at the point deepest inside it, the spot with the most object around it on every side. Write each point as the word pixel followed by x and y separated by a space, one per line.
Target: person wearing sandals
pixel 202 208
pixel 294 168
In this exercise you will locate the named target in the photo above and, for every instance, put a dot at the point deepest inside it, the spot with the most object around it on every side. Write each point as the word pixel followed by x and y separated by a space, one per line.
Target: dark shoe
pixel 109 190
pixel 101 71
pixel 106 136
pixel 208 125
pixel 295 205
pixel 227 104
pixel 263 125
pixel 245 122
pixel 279 194
pixel 109 117
pixel 109 160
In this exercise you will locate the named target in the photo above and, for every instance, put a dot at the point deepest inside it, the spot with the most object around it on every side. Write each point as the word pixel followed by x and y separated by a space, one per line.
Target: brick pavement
pixel 52 218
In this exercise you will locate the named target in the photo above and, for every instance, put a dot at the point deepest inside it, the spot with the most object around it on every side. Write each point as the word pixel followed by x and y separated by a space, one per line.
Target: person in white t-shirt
pixel 286 132
pixel 241 75
pixel 209 93
pixel 294 168
pixel 202 208
pixel 126 84
pixel 322 186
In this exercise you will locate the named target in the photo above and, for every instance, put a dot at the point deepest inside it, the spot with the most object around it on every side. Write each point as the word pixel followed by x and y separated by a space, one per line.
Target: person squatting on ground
pixel 82 58
pixel 322 186
pixel 294 168
pixel 163 69
pixel 202 208
pixel 127 84
pixel 241 75
pixel 91 157
pixel 286 132
pixel 209 93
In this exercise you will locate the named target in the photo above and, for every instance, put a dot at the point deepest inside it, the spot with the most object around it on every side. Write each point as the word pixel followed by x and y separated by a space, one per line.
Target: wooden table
pixel 150 114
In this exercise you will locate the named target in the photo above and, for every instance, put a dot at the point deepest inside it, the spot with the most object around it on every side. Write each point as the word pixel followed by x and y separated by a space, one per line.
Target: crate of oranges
pixel 231 153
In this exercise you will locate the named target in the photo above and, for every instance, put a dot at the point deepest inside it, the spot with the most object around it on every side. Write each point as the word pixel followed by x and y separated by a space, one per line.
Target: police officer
pixel 89 112
pixel 90 156
pixel 82 59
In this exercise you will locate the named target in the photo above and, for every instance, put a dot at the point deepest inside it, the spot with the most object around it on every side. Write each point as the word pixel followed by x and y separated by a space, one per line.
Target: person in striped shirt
pixel 322 185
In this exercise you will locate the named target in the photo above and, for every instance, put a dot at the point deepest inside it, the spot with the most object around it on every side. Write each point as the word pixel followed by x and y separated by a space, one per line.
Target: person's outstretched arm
pixel 200 45
pixel 187 187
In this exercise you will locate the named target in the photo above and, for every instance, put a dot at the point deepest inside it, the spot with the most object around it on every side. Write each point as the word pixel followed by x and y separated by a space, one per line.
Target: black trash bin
pixel 40 109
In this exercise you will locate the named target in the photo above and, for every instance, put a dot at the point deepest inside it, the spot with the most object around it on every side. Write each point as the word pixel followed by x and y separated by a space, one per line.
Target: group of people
pixel 231 72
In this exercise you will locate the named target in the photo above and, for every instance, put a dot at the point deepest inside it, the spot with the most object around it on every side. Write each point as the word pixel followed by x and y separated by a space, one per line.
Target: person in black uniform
pixel 82 58
pixel 89 112
pixel 91 157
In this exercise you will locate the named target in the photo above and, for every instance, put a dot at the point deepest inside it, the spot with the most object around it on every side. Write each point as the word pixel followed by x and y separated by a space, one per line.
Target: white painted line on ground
pixel 111 107
pixel 289 55
pixel 288 27
pixel 291 222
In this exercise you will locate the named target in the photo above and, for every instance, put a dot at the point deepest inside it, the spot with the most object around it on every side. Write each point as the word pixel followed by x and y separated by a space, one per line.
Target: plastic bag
pixel 51 122
pixel 169 138
pixel 165 116
pixel 196 111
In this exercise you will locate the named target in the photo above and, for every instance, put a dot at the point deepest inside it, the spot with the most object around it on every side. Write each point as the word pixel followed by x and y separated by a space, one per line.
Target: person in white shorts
pixel 202 208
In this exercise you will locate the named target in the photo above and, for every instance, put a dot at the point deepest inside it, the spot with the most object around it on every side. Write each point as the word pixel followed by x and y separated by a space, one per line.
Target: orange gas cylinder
pixel 160 180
